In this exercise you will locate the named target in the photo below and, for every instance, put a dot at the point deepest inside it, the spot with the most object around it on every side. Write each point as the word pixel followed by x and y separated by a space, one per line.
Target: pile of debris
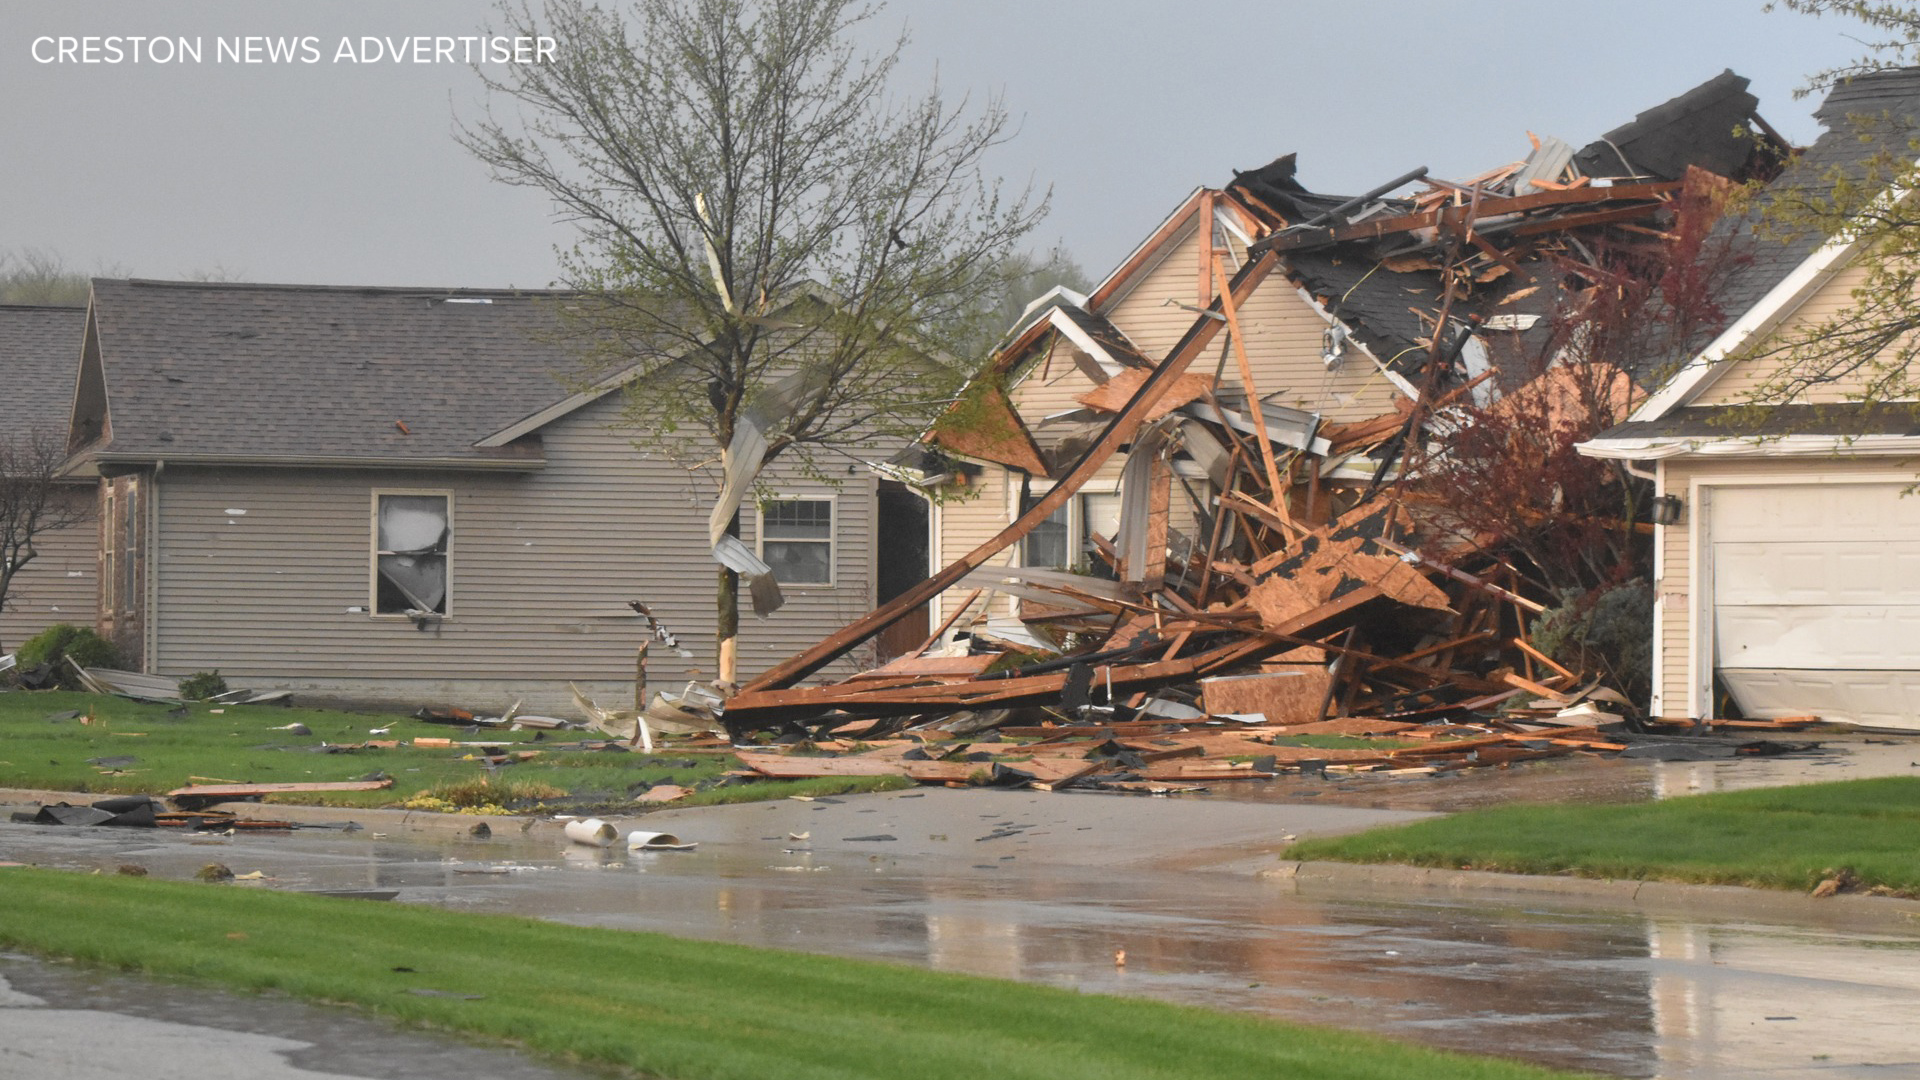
pixel 1315 584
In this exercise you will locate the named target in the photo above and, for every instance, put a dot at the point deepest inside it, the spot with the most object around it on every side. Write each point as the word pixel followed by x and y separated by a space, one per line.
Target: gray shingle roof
pixel 1873 113
pixel 39 353
pixel 290 372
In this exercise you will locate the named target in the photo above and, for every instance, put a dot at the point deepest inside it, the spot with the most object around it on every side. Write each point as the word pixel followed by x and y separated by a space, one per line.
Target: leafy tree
pixel 32 502
pixel 771 234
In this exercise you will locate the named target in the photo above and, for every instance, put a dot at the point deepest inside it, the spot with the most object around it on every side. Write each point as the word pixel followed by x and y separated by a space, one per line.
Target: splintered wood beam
pixel 1119 431
pixel 1456 218
pixel 1231 310
pixel 751 708
pixel 934 638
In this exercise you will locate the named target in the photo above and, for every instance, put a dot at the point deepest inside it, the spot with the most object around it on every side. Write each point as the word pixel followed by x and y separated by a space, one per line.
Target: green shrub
pixel 1606 632
pixel 62 641
pixel 202 685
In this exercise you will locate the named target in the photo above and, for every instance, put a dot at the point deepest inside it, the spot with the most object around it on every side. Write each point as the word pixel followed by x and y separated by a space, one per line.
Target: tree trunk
pixel 727 625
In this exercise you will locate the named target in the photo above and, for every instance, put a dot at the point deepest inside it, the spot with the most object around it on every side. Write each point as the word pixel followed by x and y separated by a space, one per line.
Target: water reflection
pixel 1600 990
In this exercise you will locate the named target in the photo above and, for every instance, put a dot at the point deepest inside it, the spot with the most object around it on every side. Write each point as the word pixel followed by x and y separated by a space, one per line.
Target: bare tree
pixel 778 241
pixel 37 276
pixel 33 502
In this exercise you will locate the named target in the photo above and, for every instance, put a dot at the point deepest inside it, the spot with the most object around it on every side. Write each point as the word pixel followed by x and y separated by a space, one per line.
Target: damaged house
pixel 1187 476
pixel 38 346
pixel 397 495
pixel 1786 556
pixel 1339 337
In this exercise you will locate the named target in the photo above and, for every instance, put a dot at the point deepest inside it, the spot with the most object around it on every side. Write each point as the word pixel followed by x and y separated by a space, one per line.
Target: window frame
pixel 832 541
pixel 373 554
pixel 1077 533
pixel 109 554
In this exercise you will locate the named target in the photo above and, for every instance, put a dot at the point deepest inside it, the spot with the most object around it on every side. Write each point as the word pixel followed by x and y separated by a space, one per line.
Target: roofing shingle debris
pixel 1309 601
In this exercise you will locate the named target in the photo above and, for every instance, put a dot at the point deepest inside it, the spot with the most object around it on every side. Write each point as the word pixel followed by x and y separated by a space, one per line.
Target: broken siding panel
pixel 541 568
pixel 1738 383
pixel 60 585
pixel 1283 350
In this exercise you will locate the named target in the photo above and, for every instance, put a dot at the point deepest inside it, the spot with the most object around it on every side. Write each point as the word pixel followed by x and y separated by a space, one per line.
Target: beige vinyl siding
pixel 541 567
pixel 61 584
pixel 1143 314
pixel 1673 594
pixel 1283 332
pixel 1738 383
pixel 966 522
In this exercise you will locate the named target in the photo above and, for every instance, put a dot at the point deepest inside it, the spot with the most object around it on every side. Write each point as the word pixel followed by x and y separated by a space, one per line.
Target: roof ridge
pixel 42 307
pixel 389 290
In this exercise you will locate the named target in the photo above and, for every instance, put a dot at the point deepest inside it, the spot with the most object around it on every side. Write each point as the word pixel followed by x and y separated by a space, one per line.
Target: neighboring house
pixel 1338 332
pixel 38 347
pixel 397 495
pixel 1791 577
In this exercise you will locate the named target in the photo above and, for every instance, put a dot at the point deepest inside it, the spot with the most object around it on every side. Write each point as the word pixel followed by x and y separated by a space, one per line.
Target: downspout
pixel 150 595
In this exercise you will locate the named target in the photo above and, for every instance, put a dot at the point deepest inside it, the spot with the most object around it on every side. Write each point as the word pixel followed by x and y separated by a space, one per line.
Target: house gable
pixel 90 421
pixel 1739 379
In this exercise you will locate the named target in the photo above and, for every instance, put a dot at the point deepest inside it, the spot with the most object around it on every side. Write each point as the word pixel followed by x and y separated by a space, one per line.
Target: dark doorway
pixel 903 536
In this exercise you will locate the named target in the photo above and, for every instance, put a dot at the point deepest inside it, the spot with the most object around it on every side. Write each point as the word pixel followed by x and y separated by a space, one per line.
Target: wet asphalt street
pixel 1047 887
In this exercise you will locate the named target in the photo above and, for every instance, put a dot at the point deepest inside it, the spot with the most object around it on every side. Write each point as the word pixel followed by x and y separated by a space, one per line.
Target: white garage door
pixel 1816 594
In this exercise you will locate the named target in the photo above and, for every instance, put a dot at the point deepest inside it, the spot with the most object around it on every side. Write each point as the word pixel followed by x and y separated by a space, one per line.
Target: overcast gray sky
pixel 339 173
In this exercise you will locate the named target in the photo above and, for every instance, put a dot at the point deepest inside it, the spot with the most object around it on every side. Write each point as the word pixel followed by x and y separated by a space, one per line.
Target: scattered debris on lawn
pixel 146 812
pixel 165 689
pixel 202 795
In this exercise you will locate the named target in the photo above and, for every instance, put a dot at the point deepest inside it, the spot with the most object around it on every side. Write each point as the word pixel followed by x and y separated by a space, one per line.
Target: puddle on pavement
pixel 1556 984
pixel 1583 779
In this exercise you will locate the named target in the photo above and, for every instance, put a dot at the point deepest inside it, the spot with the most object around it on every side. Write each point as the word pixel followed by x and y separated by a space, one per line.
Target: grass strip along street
pixel 67 741
pixel 1866 832
pixel 685 1010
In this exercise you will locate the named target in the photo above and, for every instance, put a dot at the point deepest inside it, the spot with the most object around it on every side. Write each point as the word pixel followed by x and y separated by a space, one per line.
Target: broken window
pixel 1049 542
pixel 411 533
pixel 1064 540
pixel 796 539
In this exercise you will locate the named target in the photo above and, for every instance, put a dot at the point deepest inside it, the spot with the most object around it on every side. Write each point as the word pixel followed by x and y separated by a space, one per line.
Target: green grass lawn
pixel 1330 741
pixel 43 746
pixel 1780 838
pixel 684 1010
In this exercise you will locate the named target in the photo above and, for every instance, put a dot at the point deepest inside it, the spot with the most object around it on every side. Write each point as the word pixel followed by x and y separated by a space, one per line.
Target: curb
pixel 1674 898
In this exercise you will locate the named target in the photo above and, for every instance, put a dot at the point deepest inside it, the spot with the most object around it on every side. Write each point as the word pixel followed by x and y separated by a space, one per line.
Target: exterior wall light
pixel 1666 510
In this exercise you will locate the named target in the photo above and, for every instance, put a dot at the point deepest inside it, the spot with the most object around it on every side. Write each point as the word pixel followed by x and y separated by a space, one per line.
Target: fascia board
pixel 1142 259
pixel 1084 342
pixel 1654 448
pixel 535 421
pixel 519 464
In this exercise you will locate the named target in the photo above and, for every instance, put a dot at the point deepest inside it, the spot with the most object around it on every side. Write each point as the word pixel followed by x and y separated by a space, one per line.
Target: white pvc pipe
pixel 592 832
pixel 654 841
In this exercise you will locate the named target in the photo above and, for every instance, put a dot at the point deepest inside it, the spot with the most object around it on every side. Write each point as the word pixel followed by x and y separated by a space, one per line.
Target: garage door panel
pixel 1816 600
pixel 1873 698
pixel 1844 572
pixel 1818 513
pixel 1818 637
